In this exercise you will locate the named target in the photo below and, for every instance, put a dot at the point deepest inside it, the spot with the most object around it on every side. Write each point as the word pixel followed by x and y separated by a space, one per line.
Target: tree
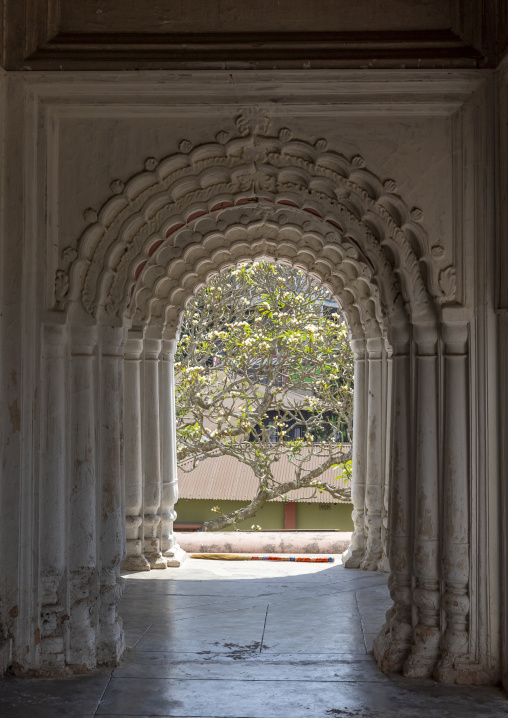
pixel 265 374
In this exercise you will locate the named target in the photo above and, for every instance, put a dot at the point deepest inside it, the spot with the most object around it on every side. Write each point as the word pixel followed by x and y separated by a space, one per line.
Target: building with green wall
pixel 317 516
pixel 225 482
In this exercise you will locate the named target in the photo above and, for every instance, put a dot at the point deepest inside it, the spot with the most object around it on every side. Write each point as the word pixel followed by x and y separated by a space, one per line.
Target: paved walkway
pixel 249 640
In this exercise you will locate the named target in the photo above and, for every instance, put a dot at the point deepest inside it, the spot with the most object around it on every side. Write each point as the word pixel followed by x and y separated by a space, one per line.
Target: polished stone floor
pixel 248 640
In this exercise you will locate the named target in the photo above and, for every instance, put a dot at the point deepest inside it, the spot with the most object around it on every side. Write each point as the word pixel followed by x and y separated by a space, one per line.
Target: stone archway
pixel 153 243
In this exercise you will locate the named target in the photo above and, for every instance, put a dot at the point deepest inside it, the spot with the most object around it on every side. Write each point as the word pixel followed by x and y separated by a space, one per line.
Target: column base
pixel 371 562
pixel 391 651
pixel 352 557
pixel 384 564
pixel 156 561
pixel 175 556
pixel 421 662
pixel 135 563
pixel 5 655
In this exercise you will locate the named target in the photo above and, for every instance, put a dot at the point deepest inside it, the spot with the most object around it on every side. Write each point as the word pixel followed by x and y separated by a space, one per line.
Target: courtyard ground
pixel 249 640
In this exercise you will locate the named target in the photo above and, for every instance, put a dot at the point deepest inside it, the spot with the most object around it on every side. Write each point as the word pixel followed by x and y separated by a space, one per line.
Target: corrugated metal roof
pixel 225 478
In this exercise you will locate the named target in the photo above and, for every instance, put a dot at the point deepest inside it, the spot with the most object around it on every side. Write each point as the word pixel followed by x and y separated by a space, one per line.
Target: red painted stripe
pixel 154 247
pixel 195 215
pixel 221 205
pixel 335 224
pixel 139 268
pixel 312 211
pixel 173 229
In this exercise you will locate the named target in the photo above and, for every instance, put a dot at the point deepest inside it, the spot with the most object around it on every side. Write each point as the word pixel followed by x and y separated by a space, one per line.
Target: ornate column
pixel 374 482
pixel 354 555
pixel 384 564
pixel 426 594
pixel 170 549
pixel 456 492
pixel 392 645
pixel 152 491
pixel 53 496
pixel 84 582
pixel 112 550
pixel 134 560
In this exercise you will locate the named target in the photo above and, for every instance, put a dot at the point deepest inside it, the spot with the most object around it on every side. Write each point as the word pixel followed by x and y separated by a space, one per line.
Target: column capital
pixel 375 347
pixel 455 336
pixel 359 347
pixel 54 340
pixel 112 340
pixel 169 347
pixel 83 339
pixel 133 346
pixel 425 335
pixel 398 339
pixel 152 349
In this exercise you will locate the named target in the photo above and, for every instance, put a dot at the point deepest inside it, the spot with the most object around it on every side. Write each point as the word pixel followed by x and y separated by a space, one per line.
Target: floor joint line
pixel 264 629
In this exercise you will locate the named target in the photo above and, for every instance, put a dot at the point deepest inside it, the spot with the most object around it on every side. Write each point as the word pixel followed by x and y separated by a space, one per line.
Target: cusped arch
pixel 249 171
pixel 167 281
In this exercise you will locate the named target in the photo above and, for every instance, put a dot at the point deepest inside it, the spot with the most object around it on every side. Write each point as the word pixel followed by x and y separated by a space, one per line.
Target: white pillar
pixel 426 594
pixel 112 549
pixel 455 642
pixel 375 478
pixel 392 645
pixel 53 497
pixel 170 549
pixel 384 564
pixel 134 560
pixel 152 491
pixel 354 555
pixel 84 579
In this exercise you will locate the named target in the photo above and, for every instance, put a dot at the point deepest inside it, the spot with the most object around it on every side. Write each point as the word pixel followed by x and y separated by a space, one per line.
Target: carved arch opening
pixel 162 234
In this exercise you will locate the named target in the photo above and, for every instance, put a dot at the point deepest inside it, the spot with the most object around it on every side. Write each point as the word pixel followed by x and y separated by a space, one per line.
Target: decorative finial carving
pixel 222 137
pixel 68 256
pixel 62 281
pixel 150 164
pixel 185 146
pixel 390 186
pixel 253 121
pixel 321 145
pixel 61 289
pixel 90 215
pixel 285 134
pixel 416 214
pixel 447 282
pixel 117 186
pixel 358 162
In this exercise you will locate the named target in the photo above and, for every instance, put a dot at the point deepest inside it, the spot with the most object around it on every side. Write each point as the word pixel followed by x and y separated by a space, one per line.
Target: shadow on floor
pixel 248 640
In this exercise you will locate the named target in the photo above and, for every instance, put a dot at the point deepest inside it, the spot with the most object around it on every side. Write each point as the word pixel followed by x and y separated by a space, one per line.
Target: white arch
pixel 252 169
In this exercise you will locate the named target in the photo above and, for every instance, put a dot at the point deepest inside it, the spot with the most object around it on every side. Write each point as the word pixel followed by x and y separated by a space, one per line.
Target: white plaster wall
pixel 67 137
pixel 501 306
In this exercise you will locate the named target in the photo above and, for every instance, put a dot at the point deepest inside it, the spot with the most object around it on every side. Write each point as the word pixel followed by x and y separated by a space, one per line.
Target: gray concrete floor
pixel 248 640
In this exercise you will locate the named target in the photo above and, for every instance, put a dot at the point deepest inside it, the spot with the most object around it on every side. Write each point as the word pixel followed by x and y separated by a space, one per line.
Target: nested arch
pixel 180 201
pixel 167 282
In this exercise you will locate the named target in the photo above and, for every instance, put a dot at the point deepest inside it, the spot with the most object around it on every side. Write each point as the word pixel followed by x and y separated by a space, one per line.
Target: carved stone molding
pixel 250 169
pixel 145 35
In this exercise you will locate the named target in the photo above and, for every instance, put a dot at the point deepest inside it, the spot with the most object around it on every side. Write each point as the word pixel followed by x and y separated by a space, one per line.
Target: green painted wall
pixel 271 516
pixel 312 516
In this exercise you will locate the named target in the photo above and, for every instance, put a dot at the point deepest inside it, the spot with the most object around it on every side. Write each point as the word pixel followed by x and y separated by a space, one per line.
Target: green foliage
pixel 258 356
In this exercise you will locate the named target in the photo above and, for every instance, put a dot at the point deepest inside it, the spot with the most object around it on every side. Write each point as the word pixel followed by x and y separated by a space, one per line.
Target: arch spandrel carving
pixel 248 169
